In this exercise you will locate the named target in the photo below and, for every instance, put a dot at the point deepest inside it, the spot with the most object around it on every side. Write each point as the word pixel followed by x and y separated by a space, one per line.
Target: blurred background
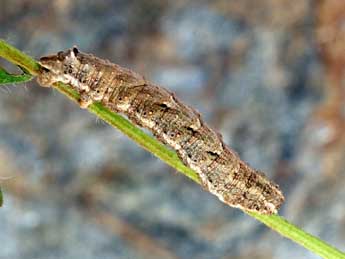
pixel 268 74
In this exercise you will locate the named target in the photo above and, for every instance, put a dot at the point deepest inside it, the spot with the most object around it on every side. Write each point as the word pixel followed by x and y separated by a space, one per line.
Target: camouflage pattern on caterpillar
pixel 172 122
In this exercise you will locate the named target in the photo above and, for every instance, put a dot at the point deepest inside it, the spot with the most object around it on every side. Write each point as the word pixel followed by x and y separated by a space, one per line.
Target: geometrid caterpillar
pixel 171 121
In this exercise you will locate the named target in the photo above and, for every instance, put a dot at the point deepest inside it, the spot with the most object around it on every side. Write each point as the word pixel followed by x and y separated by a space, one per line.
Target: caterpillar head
pixel 53 67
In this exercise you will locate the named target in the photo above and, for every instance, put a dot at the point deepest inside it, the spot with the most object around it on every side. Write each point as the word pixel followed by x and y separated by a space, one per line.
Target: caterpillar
pixel 171 121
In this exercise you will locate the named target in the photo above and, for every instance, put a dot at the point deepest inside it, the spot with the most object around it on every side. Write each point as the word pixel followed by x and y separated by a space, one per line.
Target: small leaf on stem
pixel 7 78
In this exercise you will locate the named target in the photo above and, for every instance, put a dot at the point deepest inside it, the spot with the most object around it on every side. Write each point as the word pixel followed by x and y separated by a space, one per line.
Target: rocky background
pixel 268 74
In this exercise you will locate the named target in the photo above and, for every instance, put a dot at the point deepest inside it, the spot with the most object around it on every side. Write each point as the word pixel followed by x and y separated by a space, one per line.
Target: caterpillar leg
pixel 45 78
pixel 85 100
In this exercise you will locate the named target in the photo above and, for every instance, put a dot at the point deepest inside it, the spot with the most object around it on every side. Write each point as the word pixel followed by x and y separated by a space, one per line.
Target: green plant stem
pixel 275 222
pixel 19 58
pixel 310 242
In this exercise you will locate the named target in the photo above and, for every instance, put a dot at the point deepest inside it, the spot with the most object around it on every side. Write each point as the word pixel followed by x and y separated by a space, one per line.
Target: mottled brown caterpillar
pixel 175 124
